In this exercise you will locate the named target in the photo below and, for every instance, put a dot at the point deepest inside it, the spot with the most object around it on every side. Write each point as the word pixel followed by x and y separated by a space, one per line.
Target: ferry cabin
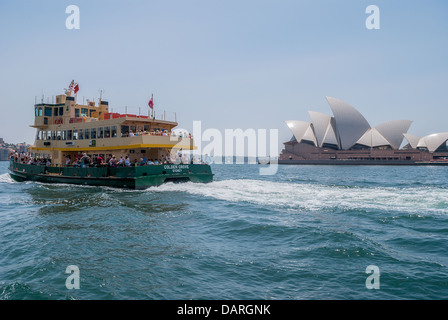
pixel 66 128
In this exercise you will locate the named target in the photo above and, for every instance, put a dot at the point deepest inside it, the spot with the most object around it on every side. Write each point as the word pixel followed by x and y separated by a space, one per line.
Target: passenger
pixel 150 162
pixel 121 162
pixel 68 160
pixel 86 161
pixel 99 160
pixel 127 162
pixel 156 162
pixel 113 162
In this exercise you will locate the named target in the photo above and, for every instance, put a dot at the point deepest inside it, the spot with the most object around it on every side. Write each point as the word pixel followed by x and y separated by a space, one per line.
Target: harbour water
pixel 307 232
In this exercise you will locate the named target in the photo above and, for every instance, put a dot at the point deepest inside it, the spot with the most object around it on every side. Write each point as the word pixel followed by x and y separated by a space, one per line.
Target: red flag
pixel 76 88
pixel 150 103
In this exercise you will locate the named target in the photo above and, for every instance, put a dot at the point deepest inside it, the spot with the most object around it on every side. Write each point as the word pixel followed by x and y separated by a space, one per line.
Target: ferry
pixel 85 144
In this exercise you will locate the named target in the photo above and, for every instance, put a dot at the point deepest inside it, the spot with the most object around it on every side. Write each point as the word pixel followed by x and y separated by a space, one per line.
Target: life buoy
pixel 58 121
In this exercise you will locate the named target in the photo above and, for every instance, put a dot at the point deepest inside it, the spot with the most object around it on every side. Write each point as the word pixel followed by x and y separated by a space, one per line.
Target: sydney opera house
pixel 348 136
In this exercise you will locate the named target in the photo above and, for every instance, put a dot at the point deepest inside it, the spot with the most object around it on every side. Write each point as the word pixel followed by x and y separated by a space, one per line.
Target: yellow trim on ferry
pixel 134 146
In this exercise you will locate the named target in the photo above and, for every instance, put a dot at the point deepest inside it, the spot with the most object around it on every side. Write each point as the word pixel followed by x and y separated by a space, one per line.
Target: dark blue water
pixel 308 232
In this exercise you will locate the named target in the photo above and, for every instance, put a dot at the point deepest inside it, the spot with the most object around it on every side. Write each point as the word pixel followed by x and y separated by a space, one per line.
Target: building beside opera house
pixel 348 136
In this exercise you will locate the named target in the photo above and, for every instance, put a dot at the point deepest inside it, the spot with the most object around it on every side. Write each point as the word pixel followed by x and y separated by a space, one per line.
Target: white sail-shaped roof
pixel 350 124
pixel 372 138
pixel 330 136
pixel 433 141
pixel 298 128
pixel 309 135
pixel 393 131
pixel 412 139
pixel 321 122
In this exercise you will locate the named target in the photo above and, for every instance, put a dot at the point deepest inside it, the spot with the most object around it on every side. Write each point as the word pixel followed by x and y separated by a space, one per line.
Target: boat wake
pixel 6 178
pixel 310 197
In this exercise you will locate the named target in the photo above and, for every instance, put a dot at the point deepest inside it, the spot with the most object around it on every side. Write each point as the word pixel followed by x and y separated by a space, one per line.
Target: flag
pixel 76 88
pixel 151 103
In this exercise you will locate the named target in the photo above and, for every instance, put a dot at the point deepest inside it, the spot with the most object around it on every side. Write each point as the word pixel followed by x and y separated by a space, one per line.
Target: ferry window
pixel 69 134
pixel 48 135
pixel 39 113
pixel 58 135
pixel 100 133
pixel 84 112
pixel 87 134
pixel 114 132
pixel 76 113
pixel 145 127
pixel 133 129
pixel 75 134
pixel 93 133
pixel 81 134
pixel 53 135
pixel 56 112
pixel 61 111
pixel 124 131
pixel 64 135
pixel 106 132
pixel 47 112
pixel 91 111
pixel 36 111
pixel 45 120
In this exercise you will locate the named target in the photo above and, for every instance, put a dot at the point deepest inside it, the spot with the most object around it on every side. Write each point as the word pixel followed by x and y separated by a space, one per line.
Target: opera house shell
pixel 347 135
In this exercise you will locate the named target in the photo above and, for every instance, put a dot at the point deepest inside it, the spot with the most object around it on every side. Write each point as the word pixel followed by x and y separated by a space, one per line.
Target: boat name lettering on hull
pixel 176 167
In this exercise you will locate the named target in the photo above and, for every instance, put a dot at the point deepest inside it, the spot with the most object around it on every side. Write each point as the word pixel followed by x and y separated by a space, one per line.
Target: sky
pixel 247 64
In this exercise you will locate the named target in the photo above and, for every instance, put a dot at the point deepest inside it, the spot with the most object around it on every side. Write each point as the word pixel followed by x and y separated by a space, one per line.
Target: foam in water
pixel 6 178
pixel 292 196
pixel 307 196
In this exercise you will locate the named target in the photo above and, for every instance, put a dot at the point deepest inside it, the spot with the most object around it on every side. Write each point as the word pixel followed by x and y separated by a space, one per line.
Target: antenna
pixel 100 91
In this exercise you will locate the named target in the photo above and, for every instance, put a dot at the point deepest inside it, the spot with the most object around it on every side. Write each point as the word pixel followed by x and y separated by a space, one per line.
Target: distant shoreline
pixel 364 162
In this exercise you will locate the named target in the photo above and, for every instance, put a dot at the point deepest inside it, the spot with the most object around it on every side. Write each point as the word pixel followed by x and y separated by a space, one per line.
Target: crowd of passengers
pixel 26 158
pixel 86 161
pixel 157 133
pixel 112 161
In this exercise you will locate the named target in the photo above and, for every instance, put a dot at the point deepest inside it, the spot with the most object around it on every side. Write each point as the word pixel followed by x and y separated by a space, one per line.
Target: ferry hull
pixel 140 177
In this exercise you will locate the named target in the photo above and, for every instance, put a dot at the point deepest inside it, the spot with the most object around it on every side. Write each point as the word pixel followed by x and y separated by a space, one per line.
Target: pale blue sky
pixel 231 64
